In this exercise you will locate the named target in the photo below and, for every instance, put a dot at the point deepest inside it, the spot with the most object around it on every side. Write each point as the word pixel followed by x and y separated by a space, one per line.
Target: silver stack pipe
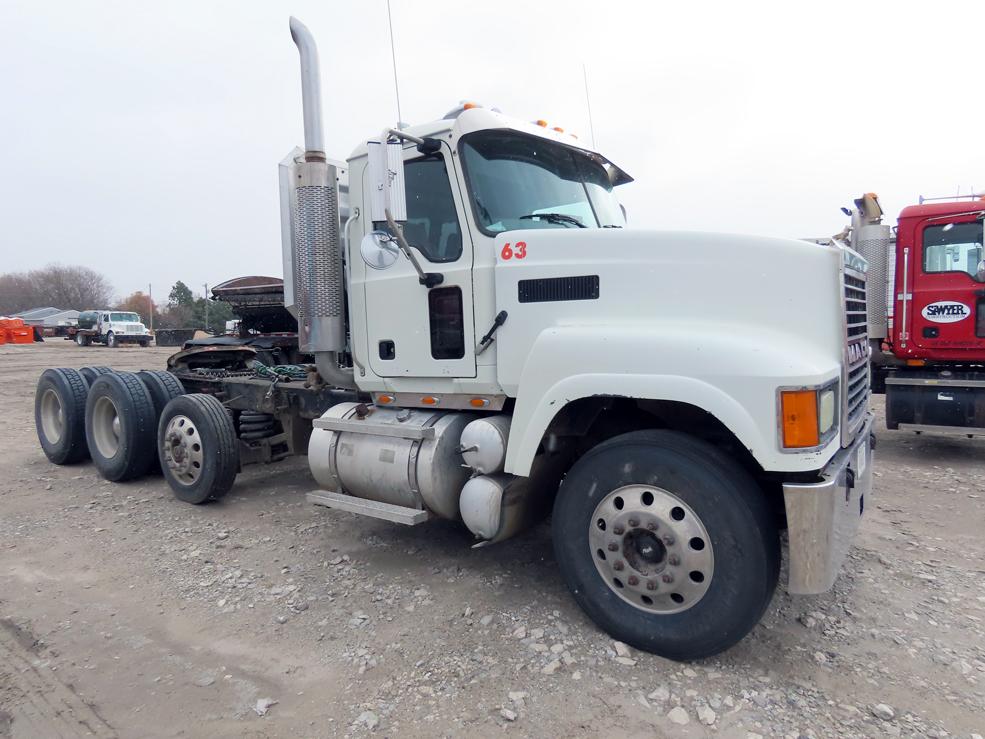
pixel 319 291
pixel 873 240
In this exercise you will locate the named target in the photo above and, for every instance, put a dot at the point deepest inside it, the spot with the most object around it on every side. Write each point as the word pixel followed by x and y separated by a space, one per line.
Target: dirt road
pixel 124 612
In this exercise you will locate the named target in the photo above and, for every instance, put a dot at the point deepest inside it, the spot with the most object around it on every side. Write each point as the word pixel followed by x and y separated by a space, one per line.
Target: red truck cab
pixel 939 305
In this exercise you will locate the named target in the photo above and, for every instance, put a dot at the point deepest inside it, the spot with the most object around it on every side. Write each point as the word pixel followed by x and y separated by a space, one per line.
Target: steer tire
pixel 120 429
pixel 59 415
pixel 198 448
pixel 91 373
pixel 666 543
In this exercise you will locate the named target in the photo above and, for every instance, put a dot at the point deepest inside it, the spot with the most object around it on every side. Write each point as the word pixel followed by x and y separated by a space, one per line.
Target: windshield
pixel 519 181
pixel 131 317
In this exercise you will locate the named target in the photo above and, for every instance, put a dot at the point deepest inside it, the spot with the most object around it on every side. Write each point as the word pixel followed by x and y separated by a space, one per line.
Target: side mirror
pixel 386 173
pixel 378 249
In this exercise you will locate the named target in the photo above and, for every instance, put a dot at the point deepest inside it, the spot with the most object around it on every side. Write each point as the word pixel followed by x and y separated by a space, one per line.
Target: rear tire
pixel 59 415
pixel 119 424
pixel 163 388
pixel 666 543
pixel 198 448
pixel 91 373
pixel 82 339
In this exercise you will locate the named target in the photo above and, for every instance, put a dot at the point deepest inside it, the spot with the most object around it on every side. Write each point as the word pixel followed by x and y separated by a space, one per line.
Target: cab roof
pixel 946 208
pixel 478 118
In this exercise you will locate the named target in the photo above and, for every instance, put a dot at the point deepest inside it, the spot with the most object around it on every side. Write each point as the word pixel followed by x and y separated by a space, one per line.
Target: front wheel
pixel 666 543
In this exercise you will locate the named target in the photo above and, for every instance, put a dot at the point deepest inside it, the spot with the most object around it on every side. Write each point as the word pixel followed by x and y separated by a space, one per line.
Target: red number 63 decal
pixel 518 250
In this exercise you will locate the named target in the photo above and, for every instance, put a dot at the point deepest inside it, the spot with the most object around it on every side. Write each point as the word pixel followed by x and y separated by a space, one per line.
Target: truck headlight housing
pixel 808 416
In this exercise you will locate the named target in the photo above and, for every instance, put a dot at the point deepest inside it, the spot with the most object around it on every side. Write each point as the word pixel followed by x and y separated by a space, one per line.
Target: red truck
pixel 927 321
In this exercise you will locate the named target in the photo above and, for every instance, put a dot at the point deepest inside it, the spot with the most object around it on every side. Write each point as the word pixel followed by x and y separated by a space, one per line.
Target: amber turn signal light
pixel 798 410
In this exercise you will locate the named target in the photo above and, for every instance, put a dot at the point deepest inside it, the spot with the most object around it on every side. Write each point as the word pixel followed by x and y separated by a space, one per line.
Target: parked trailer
pixel 491 343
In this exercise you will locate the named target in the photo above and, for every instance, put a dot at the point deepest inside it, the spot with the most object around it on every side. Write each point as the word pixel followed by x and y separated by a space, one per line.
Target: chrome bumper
pixel 822 517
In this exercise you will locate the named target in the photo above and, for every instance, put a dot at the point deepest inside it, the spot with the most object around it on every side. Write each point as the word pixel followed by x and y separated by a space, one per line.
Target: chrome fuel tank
pixel 403 456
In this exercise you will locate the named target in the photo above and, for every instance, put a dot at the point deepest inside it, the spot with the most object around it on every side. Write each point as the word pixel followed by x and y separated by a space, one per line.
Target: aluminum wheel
pixel 106 427
pixel 183 450
pixel 651 549
pixel 52 416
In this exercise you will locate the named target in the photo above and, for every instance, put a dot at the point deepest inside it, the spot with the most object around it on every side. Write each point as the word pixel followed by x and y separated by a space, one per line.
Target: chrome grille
pixel 856 373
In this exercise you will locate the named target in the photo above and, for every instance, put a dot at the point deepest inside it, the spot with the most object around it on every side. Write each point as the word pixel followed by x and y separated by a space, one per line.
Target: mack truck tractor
pixel 491 343
pixel 926 312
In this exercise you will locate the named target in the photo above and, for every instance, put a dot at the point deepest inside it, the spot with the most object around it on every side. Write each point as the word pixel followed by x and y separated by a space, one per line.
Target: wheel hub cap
pixel 52 416
pixel 183 450
pixel 106 427
pixel 651 549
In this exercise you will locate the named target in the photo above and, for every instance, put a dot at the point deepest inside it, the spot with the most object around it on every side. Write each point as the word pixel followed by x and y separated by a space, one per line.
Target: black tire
pixel 91 373
pixel 163 388
pixel 125 450
pixel 724 500
pixel 59 415
pixel 144 343
pixel 208 472
pixel 82 339
pixel 111 341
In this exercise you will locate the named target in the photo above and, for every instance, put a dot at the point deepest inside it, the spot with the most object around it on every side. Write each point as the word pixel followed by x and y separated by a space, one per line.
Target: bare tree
pixel 56 285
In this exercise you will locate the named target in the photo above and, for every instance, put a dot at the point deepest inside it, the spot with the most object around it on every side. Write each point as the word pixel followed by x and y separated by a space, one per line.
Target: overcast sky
pixel 141 139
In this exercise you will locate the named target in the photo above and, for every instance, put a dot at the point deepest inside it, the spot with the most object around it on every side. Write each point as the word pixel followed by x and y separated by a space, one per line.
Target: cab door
pixel 414 331
pixel 946 287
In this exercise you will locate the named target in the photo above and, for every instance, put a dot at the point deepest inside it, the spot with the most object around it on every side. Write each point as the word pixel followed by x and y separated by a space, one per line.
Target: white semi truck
pixel 492 344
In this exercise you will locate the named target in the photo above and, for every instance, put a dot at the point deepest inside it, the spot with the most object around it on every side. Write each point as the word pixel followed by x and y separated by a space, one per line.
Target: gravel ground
pixel 124 612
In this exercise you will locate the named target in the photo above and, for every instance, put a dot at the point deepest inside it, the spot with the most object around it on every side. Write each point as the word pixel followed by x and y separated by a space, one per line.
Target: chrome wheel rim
pixel 106 427
pixel 52 416
pixel 651 549
pixel 183 450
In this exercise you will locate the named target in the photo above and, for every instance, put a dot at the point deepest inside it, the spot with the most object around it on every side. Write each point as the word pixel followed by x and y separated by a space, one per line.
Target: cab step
pixel 371 508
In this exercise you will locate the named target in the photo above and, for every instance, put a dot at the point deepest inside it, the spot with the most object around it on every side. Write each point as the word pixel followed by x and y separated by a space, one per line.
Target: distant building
pixel 48 317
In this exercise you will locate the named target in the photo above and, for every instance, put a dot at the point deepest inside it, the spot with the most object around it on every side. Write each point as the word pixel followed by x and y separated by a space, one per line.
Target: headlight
pixel 808 416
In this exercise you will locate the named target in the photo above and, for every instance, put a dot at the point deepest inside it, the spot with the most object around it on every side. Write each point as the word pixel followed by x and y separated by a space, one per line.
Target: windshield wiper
pixel 555 218
pixel 611 225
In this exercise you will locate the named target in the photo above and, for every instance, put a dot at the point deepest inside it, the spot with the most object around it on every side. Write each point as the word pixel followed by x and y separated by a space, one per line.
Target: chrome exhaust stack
pixel 310 211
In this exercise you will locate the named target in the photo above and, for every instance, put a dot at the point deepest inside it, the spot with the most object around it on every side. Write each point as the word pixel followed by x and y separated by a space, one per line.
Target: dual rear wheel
pixel 131 424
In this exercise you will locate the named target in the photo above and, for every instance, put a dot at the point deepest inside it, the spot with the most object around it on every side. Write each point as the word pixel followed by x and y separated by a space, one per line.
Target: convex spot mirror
pixel 379 249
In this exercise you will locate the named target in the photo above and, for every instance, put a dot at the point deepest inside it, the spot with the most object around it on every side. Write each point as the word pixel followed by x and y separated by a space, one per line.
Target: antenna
pixel 588 101
pixel 393 56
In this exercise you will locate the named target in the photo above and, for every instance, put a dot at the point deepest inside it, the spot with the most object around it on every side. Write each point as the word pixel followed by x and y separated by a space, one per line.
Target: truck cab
pixel 516 349
pixel 940 302
pixel 927 321
pixel 493 345
pixel 110 327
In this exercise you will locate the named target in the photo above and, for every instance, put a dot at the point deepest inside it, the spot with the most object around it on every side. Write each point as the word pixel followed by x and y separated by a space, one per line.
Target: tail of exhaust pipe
pixel 315 244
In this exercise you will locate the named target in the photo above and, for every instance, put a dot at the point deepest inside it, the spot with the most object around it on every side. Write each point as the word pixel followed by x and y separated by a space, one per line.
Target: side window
pixel 432 221
pixel 952 247
pixel 447 323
